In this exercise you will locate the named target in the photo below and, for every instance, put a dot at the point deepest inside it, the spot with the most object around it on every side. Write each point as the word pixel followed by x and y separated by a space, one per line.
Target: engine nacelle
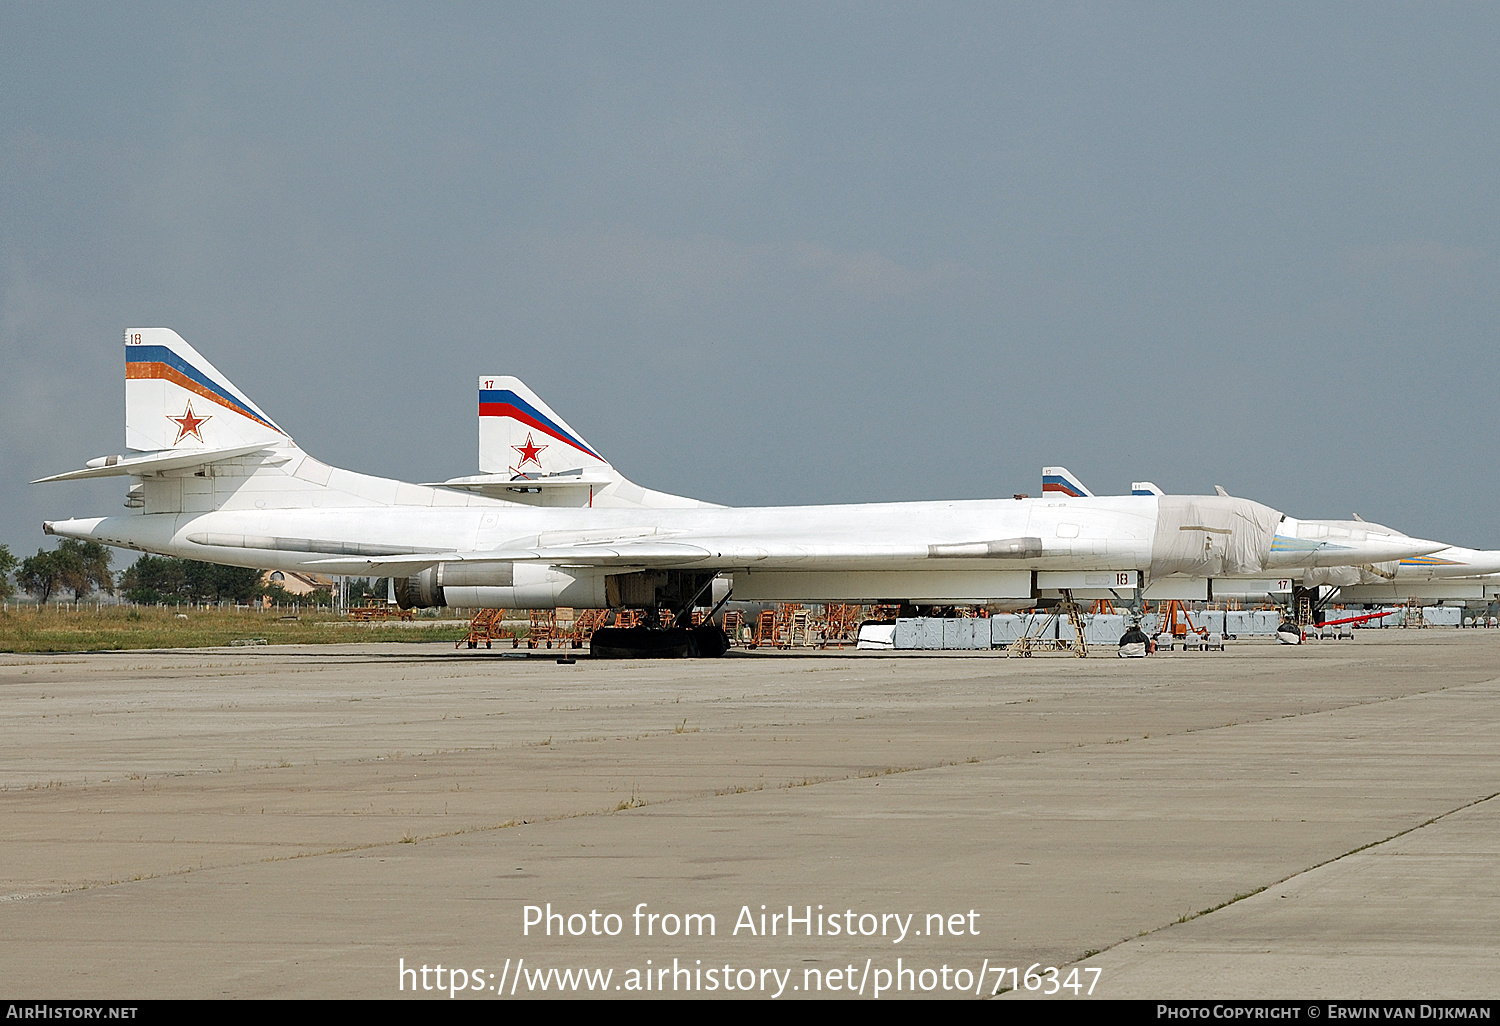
pixel 496 585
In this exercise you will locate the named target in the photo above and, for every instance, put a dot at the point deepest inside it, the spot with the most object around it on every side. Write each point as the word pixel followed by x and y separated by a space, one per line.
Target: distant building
pixel 297 583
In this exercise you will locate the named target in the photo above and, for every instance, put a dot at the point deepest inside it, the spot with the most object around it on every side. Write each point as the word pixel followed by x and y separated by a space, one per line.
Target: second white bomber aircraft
pixel 551 523
pixel 1452 572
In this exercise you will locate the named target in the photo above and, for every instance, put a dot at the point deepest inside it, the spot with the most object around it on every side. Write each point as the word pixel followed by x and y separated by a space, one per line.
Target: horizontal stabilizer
pixel 154 462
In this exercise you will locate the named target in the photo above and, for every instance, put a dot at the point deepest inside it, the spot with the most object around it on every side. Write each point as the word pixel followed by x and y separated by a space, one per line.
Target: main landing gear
pixel 658 642
pixel 677 638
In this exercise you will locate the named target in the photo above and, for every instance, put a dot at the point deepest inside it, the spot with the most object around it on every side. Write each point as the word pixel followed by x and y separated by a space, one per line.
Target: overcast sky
pixel 768 254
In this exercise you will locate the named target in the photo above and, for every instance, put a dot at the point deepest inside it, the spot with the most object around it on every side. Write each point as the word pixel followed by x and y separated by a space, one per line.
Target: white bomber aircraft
pixel 214 478
pixel 1386 580
pixel 1451 574
pixel 1448 563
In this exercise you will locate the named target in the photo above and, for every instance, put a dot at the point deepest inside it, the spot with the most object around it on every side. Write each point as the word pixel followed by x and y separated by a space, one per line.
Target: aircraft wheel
pixel 657 642
pixel 709 641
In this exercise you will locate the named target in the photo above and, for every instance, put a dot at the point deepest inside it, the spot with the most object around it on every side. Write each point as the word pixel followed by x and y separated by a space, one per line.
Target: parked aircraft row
pixel 1452 572
pixel 549 521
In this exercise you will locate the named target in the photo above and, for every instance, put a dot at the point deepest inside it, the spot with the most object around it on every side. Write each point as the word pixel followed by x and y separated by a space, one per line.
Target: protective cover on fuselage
pixel 1211 536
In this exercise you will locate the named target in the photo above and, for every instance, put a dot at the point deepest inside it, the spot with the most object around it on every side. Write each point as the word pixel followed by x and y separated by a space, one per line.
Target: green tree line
pixel 153 579
pixel 74 566
pixel 78 569
pixel 7 564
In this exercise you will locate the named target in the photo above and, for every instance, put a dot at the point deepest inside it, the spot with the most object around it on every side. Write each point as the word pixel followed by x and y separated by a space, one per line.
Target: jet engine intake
pixel 420 591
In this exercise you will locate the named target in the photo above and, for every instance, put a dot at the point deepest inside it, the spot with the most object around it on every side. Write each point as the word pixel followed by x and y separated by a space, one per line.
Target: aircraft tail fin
pixel 521 436
pixel 1145 488
pixel 528 454
pixel 176 400
pixel 1060 481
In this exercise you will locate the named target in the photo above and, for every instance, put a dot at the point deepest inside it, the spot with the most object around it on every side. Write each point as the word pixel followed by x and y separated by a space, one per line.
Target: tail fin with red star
pixel 521 437
pixel 176 400
pixel 528 454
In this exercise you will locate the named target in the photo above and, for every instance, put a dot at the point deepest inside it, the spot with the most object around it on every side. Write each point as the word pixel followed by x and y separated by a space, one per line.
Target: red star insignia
pixel 529 452
pixel 187 424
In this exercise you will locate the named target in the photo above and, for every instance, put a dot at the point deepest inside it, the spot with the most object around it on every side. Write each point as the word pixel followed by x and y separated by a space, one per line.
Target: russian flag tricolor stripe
pixel 146 362
pixel 1051 483
pixel 505 403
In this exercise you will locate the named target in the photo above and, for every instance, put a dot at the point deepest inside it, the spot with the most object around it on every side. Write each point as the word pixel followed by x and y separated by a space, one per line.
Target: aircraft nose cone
pixel 1346 551
pixel 1397 547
